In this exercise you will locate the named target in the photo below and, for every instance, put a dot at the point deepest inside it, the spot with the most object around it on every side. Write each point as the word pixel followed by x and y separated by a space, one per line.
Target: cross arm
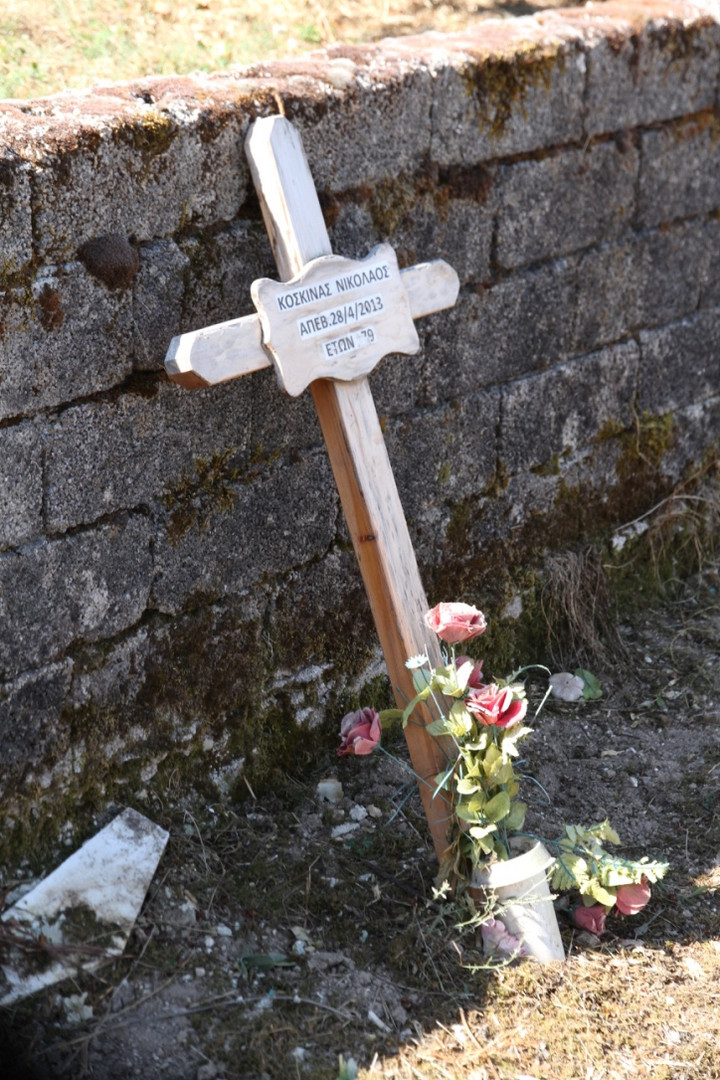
pixel 228 350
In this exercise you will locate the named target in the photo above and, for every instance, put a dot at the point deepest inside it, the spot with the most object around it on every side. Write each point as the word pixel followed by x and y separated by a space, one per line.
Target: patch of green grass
pixel 72 44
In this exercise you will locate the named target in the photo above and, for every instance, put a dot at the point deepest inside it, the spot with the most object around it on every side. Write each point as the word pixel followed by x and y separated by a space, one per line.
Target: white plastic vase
pixel 520 889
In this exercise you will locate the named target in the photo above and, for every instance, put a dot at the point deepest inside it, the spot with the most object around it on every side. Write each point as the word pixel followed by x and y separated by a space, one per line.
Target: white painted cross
pixel 326 326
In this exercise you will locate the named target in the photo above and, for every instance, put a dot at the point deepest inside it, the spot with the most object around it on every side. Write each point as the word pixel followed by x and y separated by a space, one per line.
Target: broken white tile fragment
pixel 87 906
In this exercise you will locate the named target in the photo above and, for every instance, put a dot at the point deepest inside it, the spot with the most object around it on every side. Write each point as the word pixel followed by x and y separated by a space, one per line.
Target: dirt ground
pixel 286 931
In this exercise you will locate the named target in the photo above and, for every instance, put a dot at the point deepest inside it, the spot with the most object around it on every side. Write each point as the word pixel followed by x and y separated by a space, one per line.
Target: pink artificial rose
pixel 493 706
pixel 496 939
pixel 591 918
pixel 360 732
pixel 455 622
pixel 632 898
pixel 475 680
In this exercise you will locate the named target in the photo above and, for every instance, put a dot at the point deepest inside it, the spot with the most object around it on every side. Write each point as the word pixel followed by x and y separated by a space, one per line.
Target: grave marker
pixel 326 325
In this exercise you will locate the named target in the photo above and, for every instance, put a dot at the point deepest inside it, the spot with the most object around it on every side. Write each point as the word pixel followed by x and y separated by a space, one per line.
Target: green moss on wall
pixel 500 84
pixel 199 494
pixel 150 135
pixel 488 558
pixel 390 202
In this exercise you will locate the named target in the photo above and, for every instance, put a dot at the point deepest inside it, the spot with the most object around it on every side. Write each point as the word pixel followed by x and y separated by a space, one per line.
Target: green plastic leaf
pixel 265 961
pixel 459 720
pixel 479 831
pixel 445 680
pixel 388 715
pixel 599 893
pixel 467 786
pixel 465 812
pixel 516 818
pixel 602 831
pixel 485 843
pixel 421 679
pixel 477 802
pixel 472 766
pixel 504 777
pixel 511 737
pixel 561 880
pixel 441 779
pixel 409 708
pixel 480 744
pixel 498 807
pixel 463 674
pixel 512 787
pixel 437 727
pixel 493 757
pixel 620 875
pixel 592 689
pixel 653 871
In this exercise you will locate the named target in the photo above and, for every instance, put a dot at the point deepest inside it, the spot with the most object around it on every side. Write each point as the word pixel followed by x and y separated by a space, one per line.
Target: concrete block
pixel 448 216
pixel 87 586
pixel 219 272
pixel 144 174
pixel 30 727
pixel 507 87
pixel 442 225
pixel 394 382
pixel 65 338
pixel 561 410
pixel 564 202
pixel 695 430
pixel 378 127
pixel 443 454
pixel 644 70
pixel 110 676
pixel 15 215
pixel 129 453
pixel 280 423
pixel 680 364
pixel 499 333
pixel 21 484
pixel 157 302
pixel 327 605
pixel 647 280
pixel 710 279
pixel 280 521
pixel 350 227
pixel 680 174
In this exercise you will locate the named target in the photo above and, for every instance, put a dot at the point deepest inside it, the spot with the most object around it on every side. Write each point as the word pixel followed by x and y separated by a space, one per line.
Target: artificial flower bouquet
pixel 481 725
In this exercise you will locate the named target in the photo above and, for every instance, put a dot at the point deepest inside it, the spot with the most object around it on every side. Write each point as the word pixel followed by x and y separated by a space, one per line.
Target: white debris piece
pixel 87 907
pixel 330 790
pixel 340 831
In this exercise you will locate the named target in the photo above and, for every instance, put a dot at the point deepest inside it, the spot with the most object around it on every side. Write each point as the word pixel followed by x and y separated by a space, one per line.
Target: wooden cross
pixel 326 325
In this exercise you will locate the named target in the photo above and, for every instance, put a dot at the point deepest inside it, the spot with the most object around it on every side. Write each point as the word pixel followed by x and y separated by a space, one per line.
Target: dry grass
pixel 605 1015
pixel 72 44
pixel 578 609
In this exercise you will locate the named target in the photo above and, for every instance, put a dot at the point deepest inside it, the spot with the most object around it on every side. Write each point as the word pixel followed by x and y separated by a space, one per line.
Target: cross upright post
pixel 296 329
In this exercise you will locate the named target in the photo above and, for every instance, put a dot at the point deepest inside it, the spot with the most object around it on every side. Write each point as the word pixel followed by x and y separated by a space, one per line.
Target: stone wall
pixel 177 590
